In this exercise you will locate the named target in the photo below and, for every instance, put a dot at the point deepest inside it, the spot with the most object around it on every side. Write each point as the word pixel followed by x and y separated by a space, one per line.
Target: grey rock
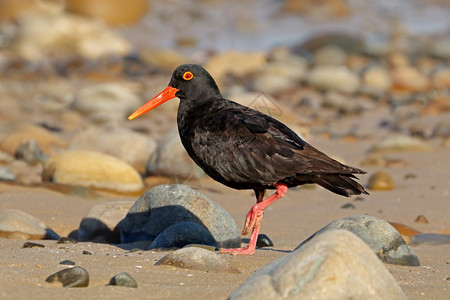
pixel 170 159
pixel 197 259
pixel 182 234
pixel 429 239
pixel 17 224
pixel 381 237
pixel 335 265
pixel 70 277
pixel 99 224
pixel 123 279
pixel 166 205
pixel 106 102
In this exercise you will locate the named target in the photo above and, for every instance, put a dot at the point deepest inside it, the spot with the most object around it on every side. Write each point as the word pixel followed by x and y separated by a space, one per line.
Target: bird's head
pixel 189 83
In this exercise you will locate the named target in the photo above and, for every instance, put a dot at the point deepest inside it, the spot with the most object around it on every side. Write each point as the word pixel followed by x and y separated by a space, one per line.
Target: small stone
pixel 32 245
pixel 381 181
pixel 197 259
pixel 92 169
pixel 85 252
pixel 409 79
pixel 6 175
pixel 376 81
pixel 166 205
pixel 338 78
pixel 410 176
pixel 441 78
pixel 401 143
pixel 66 240
pixel 330 55
pixel 381 237
pixel 421 219
pixel 348 206
pixel 430 239
pixel 263 241
pixel 30 152
pixel 71 277
pixel 123 279
pixel 20 225
pixel 99 224
pixel 335 265
pixel 67 262
pixel 182 234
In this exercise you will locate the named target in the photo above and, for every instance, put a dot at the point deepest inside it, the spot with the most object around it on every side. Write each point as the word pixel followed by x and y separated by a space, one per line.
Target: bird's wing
pixel 243 145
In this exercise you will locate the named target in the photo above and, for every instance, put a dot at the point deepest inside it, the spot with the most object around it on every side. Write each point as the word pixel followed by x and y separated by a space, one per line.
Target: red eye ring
pixel 188 75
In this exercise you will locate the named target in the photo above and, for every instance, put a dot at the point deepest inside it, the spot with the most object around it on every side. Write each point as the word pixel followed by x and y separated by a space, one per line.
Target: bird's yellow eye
pixel 188 75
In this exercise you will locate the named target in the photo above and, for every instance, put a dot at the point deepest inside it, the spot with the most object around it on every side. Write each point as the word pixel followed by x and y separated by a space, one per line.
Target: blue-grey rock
pixel 197 259
pixel 182 234
pixel 166 205
pixel 429 239
pixel 381 237
pixel 70 277
pixel 334 265
pixel 123 279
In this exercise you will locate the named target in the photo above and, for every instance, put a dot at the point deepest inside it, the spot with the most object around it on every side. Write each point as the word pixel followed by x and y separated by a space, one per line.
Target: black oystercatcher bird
pixel 246 149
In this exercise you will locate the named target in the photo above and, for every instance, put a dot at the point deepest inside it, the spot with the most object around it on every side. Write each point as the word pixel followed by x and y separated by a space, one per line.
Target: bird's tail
pixel 340 184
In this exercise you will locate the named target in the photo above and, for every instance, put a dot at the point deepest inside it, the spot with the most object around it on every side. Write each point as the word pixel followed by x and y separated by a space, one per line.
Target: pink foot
pixel 238 251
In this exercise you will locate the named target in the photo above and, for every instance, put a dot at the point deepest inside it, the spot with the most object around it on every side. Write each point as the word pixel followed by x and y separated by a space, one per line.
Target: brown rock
pixel 405 230
pixel 113 12
pixel 380 181
pixel 318 9
pixel 409 79
pixel 46 140
pixel 16 224
pixel 243 63
pixel 421 219
pixel 93 169
pixel 129 146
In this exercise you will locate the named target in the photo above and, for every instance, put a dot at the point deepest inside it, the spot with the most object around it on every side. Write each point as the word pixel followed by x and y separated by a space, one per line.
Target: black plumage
pixel 246 149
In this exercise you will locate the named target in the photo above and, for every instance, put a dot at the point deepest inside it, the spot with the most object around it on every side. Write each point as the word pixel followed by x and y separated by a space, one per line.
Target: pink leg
pixel 254 218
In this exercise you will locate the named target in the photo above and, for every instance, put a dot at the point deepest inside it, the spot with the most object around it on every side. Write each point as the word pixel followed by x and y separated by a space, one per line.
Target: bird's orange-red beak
pixel 167 94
